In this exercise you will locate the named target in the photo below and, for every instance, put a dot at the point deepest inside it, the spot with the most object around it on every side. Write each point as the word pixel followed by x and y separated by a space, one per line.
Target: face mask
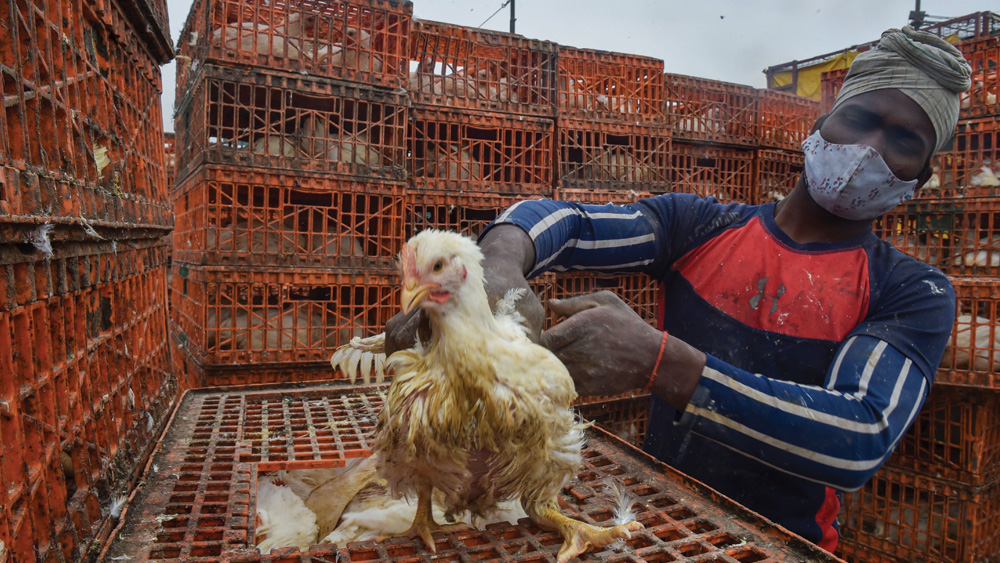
pixel 852 181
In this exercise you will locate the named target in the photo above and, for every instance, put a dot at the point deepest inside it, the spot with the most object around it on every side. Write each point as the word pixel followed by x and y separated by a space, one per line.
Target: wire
pixel 502 6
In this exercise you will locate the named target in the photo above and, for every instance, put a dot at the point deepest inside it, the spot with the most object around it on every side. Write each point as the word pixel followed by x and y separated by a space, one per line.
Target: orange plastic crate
pixel 260 217
pixel 777 172
pixel 830 83
pixel 638 291
pixel 85 385
pixel 74 85
pixel 600 197
pixel 955 437
pixel 464 151
pixel 959 169
pixel 784 120
pixel 961 237
pixel 707 170
pixel 169 159
pixel 972 358
pixel 600 85
pixel 286 317
pixel 291 122
pixel 613 156
pixel 361 41
pixel 902 515
pixel 31 197
pixel 471 68
pixel 699 109
pixel 466 213
pixel 200 493
pixel 626 415
pixel 984 56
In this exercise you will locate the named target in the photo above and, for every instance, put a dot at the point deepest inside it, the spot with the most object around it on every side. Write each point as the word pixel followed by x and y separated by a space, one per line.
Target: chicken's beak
pixel 413 293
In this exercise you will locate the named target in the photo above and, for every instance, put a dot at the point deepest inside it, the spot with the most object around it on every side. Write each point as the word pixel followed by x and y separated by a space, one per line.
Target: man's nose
pixel 876 139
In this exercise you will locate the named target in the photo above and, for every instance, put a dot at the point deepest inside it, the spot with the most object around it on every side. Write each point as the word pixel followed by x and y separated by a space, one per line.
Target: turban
pixel 928 69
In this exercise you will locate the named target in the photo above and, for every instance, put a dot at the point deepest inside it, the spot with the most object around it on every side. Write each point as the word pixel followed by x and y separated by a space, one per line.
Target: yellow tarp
pixel 809 77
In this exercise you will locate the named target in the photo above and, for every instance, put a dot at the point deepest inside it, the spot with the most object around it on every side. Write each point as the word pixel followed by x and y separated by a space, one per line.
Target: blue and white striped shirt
pixel 820 355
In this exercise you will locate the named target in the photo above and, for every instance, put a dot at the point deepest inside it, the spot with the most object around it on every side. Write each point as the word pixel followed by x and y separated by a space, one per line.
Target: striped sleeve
pixel 571 236
pixel 837 435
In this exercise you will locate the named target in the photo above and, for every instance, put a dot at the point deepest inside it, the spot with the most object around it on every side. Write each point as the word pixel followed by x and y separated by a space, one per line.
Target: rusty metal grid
pixel 198 499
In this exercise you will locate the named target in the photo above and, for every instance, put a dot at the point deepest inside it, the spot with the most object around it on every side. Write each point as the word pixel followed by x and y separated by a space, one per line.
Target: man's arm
pixel 837 435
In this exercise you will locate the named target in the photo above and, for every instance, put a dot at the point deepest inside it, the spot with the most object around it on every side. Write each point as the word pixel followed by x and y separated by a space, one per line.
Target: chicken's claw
pixel 586 537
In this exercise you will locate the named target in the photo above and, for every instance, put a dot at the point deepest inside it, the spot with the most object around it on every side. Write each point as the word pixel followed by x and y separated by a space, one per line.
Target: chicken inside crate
pixel 230 215
pixel 228 454
pixel 699 109
pixel 363 42
pixel 233 317
pixel 959 236
pixel 612 157
pixel 609 86
pixel 903 515
pixel 275 120
pixel 463 67
pixel 463 151
pixel 972 357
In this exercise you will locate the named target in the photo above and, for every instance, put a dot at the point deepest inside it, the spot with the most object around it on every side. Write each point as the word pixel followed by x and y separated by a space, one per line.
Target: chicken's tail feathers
pixel 361 355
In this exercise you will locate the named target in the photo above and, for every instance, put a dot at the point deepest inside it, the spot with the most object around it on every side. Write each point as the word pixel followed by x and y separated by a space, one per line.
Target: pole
pixel 513 19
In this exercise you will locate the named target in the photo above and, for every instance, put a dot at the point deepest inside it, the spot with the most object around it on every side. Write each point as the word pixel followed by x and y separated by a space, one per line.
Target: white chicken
pixel 478 413
pixel 448 160
pixel 283 519
pixel 972 344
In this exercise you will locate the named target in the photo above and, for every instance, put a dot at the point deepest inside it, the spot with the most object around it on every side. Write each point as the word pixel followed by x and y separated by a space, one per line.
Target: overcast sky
pixel 731 40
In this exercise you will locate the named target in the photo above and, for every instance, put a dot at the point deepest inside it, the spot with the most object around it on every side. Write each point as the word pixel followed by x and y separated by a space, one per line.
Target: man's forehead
pixel 896 108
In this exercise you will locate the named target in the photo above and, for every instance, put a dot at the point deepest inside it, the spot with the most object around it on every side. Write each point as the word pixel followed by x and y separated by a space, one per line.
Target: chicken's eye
pixel 438 265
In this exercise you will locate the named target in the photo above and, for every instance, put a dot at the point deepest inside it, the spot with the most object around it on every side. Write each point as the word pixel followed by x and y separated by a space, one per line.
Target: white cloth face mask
pixel 852 181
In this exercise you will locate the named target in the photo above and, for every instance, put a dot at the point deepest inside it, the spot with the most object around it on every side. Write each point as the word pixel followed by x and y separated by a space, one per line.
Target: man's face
pixel 889 122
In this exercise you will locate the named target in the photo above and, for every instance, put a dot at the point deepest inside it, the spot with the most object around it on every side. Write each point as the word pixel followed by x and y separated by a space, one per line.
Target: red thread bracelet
pixel 656 366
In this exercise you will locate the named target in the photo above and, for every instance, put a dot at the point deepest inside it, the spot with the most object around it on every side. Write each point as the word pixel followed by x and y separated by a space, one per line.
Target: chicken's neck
pixel 460 334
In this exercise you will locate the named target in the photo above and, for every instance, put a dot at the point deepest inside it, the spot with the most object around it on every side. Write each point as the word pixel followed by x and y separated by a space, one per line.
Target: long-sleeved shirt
pixel 820 355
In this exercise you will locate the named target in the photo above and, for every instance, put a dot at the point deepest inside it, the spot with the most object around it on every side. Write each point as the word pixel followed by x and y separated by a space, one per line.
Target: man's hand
pixel 608 349
pixel 605 345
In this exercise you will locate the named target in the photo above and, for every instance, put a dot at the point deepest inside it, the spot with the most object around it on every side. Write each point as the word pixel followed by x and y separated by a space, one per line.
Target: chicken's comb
pixel 408 261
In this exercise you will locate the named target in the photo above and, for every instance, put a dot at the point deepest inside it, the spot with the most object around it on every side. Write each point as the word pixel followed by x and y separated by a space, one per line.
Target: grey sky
pixel 732 40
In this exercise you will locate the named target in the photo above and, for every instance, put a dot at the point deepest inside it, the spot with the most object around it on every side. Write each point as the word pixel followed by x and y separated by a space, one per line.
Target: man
pixel 795 346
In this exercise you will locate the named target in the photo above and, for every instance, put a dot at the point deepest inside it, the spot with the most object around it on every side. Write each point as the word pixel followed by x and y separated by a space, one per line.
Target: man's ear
pixel 925 174
pixel 819 123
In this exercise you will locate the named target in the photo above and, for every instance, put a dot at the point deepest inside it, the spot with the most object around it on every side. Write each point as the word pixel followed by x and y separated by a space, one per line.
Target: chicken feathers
pixel 478 414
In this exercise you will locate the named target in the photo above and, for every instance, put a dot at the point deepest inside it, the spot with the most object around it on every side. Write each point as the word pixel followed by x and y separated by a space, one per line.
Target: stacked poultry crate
pixel 85 385
pixel 291 138
pixel 613 146
pixel 937 499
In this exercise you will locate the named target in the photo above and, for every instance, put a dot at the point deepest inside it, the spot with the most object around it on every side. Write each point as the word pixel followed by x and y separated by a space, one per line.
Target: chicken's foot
pixel 578 537
pixel 424 525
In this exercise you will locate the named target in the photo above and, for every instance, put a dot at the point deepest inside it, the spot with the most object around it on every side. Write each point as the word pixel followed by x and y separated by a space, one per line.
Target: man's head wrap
pixel 928 69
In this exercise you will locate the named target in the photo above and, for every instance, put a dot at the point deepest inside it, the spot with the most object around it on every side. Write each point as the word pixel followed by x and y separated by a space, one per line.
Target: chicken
pixel 963 347
pixel 617 163
pixel 478 413
pixel 274 146
pixel 270 328
pixel 283 519
pixel 247 34
pixel 985 177
pixel 448 160
pixel 575 95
